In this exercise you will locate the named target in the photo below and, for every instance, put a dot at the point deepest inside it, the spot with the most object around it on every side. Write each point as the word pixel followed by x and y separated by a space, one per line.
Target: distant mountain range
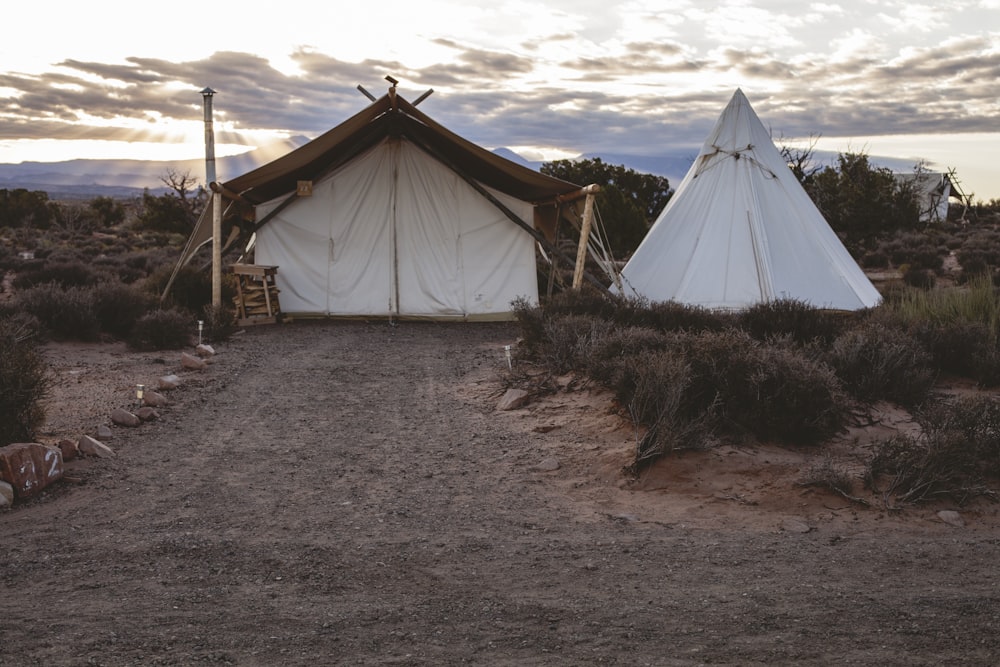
pixel 86 179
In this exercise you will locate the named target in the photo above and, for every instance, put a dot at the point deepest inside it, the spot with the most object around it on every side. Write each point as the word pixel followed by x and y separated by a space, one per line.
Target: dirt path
pixel 345 493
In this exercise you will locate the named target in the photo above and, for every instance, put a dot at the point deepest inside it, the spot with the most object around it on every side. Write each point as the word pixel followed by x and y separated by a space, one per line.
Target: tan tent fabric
pixel 526 194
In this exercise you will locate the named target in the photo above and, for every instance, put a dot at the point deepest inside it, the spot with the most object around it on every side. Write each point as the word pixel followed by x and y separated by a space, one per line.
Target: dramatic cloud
pixel 574 75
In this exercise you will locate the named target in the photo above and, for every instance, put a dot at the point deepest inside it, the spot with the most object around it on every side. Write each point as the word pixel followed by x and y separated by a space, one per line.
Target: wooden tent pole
pixel 217 250
pixel 581 251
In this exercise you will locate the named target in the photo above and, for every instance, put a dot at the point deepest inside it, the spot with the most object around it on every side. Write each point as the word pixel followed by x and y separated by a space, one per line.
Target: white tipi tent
pixel 740 230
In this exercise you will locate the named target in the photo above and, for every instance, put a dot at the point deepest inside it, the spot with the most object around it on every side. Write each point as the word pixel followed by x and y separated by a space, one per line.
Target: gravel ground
pixel 345 493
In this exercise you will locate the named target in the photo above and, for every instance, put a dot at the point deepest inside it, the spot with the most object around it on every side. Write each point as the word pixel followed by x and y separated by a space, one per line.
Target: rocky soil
pixel 347 493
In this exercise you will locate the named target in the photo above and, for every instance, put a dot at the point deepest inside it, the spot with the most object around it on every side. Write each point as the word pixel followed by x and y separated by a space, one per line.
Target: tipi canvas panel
pixel 741 230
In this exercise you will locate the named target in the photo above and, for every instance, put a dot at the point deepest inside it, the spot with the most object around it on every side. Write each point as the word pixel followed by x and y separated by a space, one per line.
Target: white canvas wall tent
pixel 390 214
pixel 740 230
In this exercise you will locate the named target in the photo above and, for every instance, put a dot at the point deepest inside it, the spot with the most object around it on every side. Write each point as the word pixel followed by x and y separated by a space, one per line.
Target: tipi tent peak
pixel 391 214
pixel 740 230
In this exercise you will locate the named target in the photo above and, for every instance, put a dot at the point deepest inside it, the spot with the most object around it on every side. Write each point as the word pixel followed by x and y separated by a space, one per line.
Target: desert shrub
pixel 875 259
pixel 976 418
pixel 960 347
pixel 66 274
pixel 64 313
pixel 673 316
pixel 825 474
pixel 614 359
pixel 531 321
pixel 191 290
pixel 161 329
pixel 802 322
pixel 585 301
pixel 881 361
pixel 24 384
pixel 571 339
pixel 219 323
pixel 919 278
pixel 118 307
pixel 956 456
pixel 767 391
pixel 920 251
pixel 656 386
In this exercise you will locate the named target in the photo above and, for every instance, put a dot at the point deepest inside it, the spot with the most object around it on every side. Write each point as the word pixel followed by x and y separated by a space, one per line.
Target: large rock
pixel 30 467
pixel 104 432
pixel 147 414
pixel 91 447
pixel 123 417
pixel 205 351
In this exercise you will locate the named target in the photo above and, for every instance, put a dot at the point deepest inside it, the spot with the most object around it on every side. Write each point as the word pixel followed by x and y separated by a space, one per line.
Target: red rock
pixel 69 449
pixel 30 467
pixel 147 414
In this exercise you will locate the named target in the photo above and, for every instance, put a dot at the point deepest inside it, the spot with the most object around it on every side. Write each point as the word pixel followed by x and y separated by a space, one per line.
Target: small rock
pixel 6 495
pixel 92 447
pixel 192 362
pixel 168 382
pixel 69 449
pixel 104 432
pixel 204 351
pixel 147 414
pixel 548 465
pixel 154 399
pixel 795 526
pixel 123 417
pixel 513 399
pixel 952 518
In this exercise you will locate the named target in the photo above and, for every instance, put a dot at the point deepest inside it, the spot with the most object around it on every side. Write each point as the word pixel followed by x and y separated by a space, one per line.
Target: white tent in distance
pixel 740 230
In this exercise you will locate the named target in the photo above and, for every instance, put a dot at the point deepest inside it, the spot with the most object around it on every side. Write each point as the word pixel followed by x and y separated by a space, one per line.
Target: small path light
pixel 506 352
pixel 139 390
pixel 201 325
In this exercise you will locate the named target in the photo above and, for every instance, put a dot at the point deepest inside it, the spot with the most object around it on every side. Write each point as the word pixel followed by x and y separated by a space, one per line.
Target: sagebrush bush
pixel 571 339
pixel 191 290
pixel 802 322
pixel 161 329
pixel 652 388
pixel 65 313
pixel 771 392
pixel 879 361
pixel 65 274
pixel 219 323
pixel 976 418
pixel 531 320
pixel 617 350
pixel 119 306
pixel 960 347
pixel 24 383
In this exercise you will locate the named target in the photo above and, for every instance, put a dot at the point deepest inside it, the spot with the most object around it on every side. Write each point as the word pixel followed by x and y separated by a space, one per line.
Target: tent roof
pixel 393 116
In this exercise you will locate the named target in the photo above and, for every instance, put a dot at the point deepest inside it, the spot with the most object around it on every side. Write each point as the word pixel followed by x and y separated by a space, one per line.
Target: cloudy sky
pixel 548 78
